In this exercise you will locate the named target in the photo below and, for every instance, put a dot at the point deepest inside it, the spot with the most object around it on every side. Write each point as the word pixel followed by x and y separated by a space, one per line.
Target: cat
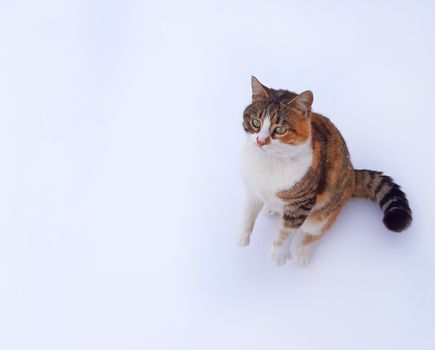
pixel 295 163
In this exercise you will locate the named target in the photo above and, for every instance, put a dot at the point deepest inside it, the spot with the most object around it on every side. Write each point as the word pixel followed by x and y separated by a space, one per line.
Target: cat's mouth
pixel 264 148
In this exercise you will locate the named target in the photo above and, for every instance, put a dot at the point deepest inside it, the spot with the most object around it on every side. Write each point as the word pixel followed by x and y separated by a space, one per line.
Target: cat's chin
pixel 266 149
pixel 272 150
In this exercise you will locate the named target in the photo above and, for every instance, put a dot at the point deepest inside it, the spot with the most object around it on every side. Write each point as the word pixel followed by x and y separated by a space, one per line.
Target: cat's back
pixel 331 159
pixel 323 130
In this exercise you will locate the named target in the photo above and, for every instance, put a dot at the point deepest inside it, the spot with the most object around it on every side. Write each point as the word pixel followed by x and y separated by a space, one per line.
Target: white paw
pixel 302 254
pixel 271 212
pixel 279 254
pixel 244 239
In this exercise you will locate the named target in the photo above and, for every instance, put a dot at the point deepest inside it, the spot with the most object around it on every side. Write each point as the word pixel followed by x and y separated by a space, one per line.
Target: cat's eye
pixel 256 123
pixel 280 130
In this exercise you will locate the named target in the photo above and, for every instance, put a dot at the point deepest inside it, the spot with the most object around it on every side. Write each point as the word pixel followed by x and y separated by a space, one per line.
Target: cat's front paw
pixel 279 254
pixel 244 239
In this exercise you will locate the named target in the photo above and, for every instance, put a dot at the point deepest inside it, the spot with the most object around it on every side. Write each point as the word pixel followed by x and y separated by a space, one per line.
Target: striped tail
pixel 382 189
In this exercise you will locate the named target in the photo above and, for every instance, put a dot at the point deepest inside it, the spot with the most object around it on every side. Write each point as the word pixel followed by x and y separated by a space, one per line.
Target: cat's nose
pixel 261 143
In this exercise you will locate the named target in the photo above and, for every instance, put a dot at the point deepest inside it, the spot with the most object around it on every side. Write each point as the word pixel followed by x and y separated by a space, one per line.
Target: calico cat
pixel 296 164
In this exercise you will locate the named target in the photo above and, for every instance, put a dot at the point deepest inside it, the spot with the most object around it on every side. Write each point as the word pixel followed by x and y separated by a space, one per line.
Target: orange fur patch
pixel 300 129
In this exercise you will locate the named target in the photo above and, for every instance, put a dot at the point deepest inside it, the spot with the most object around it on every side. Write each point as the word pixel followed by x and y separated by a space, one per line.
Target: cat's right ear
pixel 259 91
pixel 303 101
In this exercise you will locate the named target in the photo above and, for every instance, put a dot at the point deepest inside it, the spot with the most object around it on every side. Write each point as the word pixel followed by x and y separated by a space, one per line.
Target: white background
pixel 120 194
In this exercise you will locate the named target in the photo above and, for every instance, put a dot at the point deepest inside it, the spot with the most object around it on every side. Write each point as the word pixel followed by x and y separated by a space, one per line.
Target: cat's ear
pixel 303 101
pixel 259 91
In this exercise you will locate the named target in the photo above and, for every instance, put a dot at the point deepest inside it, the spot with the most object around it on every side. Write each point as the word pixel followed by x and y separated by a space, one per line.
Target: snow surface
pixel 120 193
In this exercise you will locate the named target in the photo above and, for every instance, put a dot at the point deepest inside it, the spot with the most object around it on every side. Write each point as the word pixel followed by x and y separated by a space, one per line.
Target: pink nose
pixel 261 143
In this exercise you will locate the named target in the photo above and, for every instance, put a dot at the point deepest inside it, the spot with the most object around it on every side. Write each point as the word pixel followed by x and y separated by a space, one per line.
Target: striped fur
pixel 384 191
pixel 297 163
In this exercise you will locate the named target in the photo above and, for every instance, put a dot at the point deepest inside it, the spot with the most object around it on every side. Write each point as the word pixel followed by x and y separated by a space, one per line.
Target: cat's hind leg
pixel 310 232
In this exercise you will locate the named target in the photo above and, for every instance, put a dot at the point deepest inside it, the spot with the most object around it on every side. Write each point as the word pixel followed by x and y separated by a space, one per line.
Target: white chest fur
pixel 266 173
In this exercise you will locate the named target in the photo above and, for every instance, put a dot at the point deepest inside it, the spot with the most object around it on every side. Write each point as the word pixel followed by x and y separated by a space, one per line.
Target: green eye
pixel 256 123
pixel 280 130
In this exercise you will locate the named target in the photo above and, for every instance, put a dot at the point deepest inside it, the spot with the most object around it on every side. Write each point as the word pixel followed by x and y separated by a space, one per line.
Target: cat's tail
pixel 384 191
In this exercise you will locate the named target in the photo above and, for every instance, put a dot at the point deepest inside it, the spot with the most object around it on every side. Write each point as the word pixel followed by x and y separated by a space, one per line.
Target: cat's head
pixel 277 121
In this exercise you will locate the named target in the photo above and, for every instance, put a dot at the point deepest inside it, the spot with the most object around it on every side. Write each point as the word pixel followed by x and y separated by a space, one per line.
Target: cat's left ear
pixel 303 101
pixel 259 91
